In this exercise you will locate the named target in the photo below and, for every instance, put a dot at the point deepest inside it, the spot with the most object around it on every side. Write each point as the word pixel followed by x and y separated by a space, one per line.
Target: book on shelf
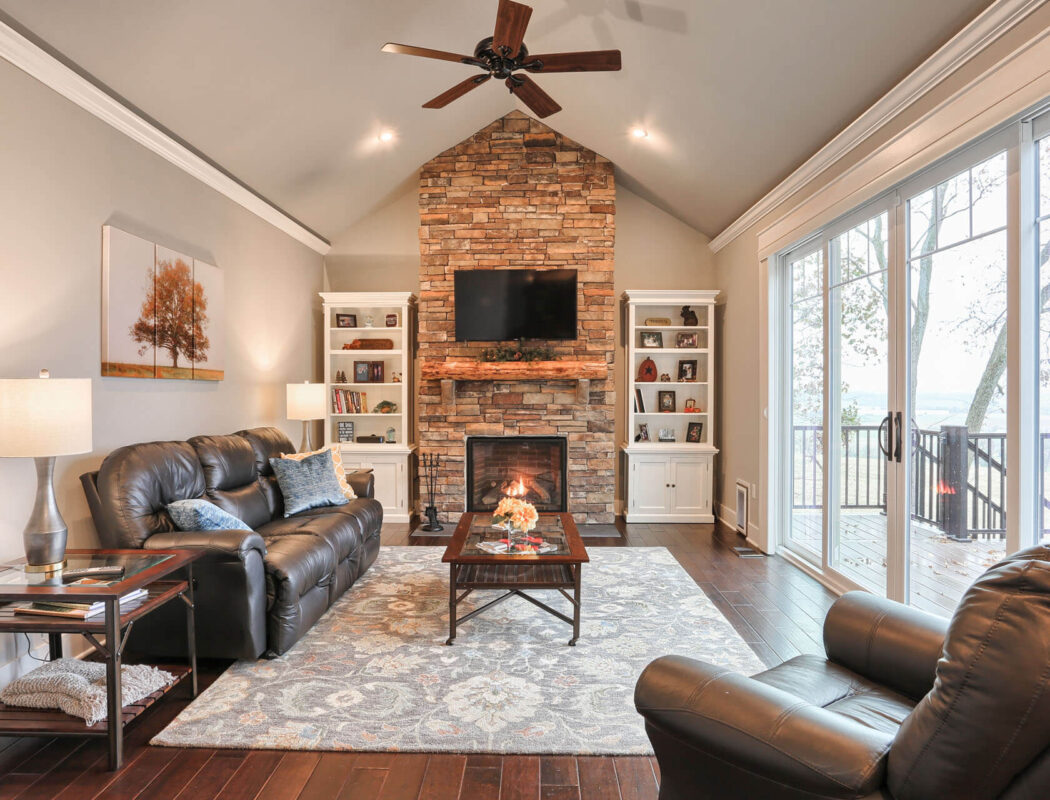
pixel 345 401
pixel 61 608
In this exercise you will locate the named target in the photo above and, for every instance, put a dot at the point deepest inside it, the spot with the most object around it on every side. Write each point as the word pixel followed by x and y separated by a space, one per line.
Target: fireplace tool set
pixel 430 467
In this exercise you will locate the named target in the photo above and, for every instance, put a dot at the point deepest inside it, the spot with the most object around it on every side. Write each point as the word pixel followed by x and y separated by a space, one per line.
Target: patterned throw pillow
pixel 309 483
pixel 200 515
pixel 337 461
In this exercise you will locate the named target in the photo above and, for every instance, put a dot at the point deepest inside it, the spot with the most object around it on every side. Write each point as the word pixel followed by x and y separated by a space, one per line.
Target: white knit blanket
pixel 79 687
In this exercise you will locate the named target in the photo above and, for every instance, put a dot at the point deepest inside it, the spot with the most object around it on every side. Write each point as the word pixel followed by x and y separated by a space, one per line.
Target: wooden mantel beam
pixel 448 372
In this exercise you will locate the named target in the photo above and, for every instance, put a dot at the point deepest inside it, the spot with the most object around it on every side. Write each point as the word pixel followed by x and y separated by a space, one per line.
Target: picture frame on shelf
pixel 690 405
pixel 376 371
pixel 687 370
pixel 695 433
pixel 362 372
pixel 666 435
pixel 685 339
pixel 666 401
pixel 346 320
pixel 346 431
pixel 643 432
pixel 652 339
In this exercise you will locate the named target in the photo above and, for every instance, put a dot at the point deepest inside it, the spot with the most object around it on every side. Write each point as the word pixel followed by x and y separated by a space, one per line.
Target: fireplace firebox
pixel 530 467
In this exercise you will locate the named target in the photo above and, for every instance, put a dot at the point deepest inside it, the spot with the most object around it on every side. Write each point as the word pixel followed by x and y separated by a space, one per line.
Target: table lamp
pixel 306 403
pixel 41 418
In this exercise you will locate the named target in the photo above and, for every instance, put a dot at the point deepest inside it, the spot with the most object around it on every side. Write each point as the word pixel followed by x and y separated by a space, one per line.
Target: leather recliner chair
pixel 255 591
pixel 905 706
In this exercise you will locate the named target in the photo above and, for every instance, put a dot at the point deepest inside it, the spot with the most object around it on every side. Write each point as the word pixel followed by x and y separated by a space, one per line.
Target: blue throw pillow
pixel 200 515
pixel 308 483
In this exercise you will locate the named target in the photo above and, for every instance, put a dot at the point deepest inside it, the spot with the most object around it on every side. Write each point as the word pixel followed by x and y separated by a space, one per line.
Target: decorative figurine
pixel 689 316
pixel 391 436
pixel 370 321
pixel 396 378
pixel 385 407
pixel 647 371
pixel 665 378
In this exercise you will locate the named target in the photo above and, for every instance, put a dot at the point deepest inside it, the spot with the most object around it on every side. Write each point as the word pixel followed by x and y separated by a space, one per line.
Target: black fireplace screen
pixel 530 467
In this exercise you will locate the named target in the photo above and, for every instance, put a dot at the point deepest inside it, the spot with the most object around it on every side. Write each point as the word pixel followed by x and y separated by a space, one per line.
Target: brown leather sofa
pixel 905 706
pixel 257 591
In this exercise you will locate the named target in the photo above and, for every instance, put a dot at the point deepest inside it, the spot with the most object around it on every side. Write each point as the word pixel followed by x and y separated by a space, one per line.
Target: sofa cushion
pixel 309 483
pixel 268 443
pixel 341 532
pixel 987 717
pixel 202 515
pixel 295 564
pixel 231 477
pixel 365 511
pixel 135 485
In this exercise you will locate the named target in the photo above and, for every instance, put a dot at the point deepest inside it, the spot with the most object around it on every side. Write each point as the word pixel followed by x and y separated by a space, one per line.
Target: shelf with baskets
pixel 669 409
pixel 370 347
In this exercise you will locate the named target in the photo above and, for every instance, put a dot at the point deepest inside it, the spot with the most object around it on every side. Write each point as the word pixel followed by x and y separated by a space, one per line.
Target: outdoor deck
pixel 941 569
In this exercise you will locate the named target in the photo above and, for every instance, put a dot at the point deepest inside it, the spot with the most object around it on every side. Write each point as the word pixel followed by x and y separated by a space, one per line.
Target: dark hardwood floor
pixel 776 608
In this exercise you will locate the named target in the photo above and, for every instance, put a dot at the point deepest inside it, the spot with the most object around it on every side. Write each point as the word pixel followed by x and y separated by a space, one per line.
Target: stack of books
pixel 347 402
pixel 56 608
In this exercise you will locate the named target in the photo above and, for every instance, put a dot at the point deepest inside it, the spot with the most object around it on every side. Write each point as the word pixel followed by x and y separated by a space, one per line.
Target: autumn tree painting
pixel 174 315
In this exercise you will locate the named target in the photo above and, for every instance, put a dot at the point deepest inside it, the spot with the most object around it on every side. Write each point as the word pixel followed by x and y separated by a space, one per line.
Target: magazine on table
pixel 63 608
pixel 527 546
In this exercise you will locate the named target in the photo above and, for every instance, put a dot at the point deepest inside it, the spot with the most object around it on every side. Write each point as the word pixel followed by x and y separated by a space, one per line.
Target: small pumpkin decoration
pixel 647 371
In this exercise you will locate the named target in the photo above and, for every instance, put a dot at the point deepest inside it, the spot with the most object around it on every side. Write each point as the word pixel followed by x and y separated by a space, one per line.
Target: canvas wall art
pixel 162 311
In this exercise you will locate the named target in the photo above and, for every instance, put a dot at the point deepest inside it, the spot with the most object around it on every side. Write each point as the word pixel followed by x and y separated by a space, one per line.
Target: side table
pixel 152 570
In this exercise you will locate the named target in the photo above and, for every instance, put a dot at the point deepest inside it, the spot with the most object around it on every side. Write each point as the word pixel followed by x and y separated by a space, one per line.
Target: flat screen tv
pixel 502 304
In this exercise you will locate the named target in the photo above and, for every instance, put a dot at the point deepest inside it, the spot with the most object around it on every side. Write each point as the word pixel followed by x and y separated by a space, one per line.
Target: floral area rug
pixel 374 673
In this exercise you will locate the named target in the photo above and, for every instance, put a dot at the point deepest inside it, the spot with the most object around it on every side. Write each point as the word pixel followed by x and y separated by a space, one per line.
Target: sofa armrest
pixel 885 641
pixel 231 544
pixel 760 729
pixel 363 482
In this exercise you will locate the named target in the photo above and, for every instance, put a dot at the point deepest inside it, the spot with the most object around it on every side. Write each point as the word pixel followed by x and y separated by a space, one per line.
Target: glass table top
pixel 547 539
pixel 14 575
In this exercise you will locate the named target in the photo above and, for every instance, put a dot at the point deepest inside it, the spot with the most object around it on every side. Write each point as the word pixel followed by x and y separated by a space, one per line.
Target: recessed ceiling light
pixel 386 136
pixel 639 133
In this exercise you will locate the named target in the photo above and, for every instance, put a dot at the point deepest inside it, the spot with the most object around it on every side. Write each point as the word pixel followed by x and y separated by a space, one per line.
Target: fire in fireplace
pixel 530 467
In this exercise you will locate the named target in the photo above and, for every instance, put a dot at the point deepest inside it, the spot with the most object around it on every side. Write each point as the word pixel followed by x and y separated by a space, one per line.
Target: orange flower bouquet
pixel 516 515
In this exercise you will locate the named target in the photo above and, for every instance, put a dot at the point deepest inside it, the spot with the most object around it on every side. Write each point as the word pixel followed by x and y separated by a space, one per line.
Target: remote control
pixel 93 572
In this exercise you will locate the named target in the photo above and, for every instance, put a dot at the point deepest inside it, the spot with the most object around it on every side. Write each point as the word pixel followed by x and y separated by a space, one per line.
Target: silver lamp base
pixel 45 533
pixel 306 445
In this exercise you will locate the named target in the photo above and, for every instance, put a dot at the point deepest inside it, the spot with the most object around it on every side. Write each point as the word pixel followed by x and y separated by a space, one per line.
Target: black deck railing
pixel 958 478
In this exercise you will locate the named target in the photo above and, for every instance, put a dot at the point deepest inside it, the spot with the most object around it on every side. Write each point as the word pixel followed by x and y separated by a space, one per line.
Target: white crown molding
pixel 32 59
pixel 986 28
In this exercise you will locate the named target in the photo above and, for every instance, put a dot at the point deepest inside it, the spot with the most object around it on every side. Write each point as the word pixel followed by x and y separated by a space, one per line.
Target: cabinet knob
pixel 667 485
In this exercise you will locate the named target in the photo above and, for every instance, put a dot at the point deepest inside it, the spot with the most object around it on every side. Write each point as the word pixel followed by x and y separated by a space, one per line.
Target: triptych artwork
pixel 162 311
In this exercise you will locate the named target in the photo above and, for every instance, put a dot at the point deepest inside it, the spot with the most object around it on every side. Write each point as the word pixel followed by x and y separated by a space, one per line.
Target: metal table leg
pixel 191 628
pixel 577 574
pixel 452 570
pixel 54 646
pixel 114 693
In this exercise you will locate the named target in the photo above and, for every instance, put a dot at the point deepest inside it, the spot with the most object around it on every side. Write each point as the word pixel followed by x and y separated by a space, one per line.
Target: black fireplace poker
pixel 430 467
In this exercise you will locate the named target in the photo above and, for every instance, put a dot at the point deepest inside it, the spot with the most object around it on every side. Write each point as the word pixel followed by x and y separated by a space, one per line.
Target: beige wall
pixel 65 175
pixel 653 251
pixel 974 99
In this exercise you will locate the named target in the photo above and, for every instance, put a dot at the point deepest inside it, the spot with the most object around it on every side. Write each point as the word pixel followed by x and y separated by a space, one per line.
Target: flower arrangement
pixel 515 512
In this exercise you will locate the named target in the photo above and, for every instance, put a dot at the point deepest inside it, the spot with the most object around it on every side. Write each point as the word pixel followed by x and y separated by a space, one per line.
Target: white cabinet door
pixel 386 474
pixel 690 484
pixel 649 485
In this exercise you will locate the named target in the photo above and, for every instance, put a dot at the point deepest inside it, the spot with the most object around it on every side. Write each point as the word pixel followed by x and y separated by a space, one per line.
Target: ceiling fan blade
pixel 590 61
pixel 456 91
pixel 529 92
pixel 426 52
pixel 511 21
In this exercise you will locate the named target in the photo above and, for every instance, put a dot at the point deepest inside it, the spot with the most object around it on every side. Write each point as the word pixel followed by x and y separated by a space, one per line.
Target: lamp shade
pixel 42 417
pixel 306 400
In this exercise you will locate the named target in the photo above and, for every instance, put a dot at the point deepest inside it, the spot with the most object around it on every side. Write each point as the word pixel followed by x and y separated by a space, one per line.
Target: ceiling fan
pixel 504 54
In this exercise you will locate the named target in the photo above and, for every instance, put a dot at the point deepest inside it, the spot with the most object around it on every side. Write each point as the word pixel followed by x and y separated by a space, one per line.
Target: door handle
pixel 887 449
pixel 899 437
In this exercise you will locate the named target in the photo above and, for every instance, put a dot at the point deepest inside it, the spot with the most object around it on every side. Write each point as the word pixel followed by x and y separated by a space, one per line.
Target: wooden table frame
pixel 515 573
pixel 115 626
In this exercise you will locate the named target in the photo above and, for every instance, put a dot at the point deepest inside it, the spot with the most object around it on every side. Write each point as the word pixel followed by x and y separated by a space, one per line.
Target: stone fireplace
pixel 518 194
pixel 533 468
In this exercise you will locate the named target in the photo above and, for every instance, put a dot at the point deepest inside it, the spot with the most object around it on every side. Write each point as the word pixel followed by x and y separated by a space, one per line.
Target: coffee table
pixel 472 568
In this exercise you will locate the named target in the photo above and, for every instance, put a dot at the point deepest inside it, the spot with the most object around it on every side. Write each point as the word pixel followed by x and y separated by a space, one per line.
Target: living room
pixel 668 420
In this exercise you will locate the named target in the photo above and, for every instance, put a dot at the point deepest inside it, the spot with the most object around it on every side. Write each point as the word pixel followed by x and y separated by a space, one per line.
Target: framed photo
pixel 346 320
pixel 346 431
pixel 391 320
pixel 362 372
pixel 652 339
pixel 690 405
pixel 684 339
pixel 695 432
pixel 643 432
pixel 686 370
pixel 666 434
pixel 666 401
pixel 376 372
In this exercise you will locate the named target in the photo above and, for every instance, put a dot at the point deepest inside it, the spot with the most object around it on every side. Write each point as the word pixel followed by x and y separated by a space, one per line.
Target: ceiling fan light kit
pixel 504 54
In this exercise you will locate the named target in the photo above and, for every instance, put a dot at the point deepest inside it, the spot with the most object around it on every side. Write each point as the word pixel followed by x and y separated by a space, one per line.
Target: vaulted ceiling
pixel 290 96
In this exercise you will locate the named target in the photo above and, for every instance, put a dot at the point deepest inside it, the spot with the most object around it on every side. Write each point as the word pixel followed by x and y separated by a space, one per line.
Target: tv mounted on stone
pixel 506 304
